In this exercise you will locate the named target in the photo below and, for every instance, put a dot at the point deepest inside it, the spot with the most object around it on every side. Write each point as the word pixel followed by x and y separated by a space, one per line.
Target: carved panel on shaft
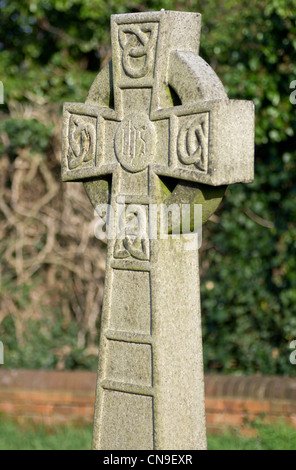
pixel 133 236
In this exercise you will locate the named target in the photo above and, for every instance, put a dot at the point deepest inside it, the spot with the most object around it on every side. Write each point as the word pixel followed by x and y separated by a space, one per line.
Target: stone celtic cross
pixel 157 128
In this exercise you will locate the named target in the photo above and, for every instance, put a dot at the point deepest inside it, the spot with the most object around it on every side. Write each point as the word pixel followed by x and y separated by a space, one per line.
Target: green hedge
pixel 51 51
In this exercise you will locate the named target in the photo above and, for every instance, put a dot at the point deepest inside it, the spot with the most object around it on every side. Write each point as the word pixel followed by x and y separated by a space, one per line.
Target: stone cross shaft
pixel 157 128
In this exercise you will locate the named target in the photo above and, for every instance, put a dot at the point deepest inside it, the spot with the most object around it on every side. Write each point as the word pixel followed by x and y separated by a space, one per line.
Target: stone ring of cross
pixel 175 120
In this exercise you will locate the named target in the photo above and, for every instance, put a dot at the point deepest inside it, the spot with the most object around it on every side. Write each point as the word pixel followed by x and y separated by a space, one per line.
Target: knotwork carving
pixel 132 239
pixel 193 142
pixel 137 42
pixel 82 141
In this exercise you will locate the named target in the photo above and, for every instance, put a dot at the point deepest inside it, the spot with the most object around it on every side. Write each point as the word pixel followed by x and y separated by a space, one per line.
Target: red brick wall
pixel 236 401
pixel 47 396
pixel 60 397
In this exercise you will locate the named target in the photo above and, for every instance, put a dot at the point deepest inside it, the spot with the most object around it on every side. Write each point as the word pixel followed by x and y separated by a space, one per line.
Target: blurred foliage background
pixel 52 267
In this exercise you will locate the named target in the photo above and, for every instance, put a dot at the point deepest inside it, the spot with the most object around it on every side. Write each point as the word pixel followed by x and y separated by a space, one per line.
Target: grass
pixel 37 437
pixel 276 437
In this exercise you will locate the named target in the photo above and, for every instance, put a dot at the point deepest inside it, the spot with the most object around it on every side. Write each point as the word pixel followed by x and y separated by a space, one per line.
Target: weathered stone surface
pixel 157 128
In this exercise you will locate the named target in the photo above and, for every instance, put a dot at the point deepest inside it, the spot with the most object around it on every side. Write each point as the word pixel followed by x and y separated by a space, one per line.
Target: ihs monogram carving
pixel 82 141
pixel 138 46
pixel 135 142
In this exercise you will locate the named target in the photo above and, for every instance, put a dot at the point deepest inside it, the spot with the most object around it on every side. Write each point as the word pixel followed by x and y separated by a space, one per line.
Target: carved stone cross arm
pixel 157 127
pixel 206 138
